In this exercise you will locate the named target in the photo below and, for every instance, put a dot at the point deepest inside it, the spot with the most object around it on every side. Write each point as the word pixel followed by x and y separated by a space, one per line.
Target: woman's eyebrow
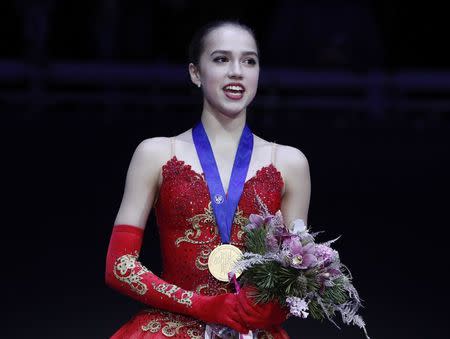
pixel 220 51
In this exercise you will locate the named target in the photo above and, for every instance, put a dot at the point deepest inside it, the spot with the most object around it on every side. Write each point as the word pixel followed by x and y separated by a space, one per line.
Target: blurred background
pixel 361 87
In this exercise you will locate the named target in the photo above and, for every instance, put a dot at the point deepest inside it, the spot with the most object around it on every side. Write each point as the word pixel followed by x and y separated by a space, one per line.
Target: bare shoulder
pixel 287 157
pixel 151 154
pixel 291 158
pixel 153 147
pixel 142 181
pixel 294 167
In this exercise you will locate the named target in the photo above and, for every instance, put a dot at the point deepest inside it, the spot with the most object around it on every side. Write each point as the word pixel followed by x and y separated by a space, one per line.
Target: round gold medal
pixel 222 259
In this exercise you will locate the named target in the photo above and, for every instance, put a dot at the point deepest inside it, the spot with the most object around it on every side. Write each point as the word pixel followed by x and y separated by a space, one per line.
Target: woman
pixel 165 173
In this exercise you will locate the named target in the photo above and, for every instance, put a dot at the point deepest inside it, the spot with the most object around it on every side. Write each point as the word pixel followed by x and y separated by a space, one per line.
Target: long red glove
pixel 267 316
pixel 127 275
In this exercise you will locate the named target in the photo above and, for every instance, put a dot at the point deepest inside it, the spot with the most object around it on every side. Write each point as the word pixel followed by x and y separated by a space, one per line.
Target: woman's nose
pixel 235 70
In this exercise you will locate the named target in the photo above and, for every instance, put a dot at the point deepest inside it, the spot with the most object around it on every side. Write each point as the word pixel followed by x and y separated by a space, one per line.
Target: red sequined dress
pixel 188 234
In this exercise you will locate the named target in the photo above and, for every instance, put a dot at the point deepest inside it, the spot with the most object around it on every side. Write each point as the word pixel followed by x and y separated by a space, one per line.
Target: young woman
pixel 203 185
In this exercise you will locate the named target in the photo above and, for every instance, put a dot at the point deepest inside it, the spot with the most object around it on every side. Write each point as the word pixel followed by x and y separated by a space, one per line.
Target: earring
pixel 199 85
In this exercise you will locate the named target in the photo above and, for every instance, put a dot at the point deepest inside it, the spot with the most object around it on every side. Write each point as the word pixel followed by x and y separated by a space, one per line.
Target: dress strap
pixel 274 146
pixel 172 147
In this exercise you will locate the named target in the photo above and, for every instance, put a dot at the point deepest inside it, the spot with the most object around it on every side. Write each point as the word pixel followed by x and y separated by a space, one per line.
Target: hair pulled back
pixel 197 43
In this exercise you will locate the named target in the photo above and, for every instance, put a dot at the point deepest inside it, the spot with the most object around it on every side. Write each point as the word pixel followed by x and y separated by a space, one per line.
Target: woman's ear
pixel 195 75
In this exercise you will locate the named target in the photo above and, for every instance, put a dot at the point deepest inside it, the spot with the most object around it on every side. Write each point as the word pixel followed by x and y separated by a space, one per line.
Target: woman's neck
pixel 222 129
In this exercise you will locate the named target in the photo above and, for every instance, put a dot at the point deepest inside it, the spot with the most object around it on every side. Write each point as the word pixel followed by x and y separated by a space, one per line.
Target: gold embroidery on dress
pixel 127 269
pixel 202 259
pixel 195 333
pixel 170 325
pixel 170 290
pixel 191 235
pixel 153 326
pixel 201 287
pixel 240 221
pixel 216 291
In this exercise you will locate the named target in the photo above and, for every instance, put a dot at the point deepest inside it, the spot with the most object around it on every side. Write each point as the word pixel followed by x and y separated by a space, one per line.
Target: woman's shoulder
pixel 156 151
pixel 285 155
pixel 152 153
pixel 293 166
pixel 155 147
pixel 291 156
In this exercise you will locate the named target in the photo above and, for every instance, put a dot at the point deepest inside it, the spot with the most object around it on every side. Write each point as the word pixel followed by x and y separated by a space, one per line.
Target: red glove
pixel 265 316
pixel 127 275
pixel 279 333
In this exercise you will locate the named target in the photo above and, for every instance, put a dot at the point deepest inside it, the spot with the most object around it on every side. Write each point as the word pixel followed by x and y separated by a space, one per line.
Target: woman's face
pixel 228 70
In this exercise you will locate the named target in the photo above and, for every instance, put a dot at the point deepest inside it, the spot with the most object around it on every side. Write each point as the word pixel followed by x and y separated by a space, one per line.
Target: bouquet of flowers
pixel 286 263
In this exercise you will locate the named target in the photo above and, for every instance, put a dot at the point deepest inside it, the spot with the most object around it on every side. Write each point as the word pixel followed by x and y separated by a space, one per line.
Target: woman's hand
pixel 222 309
pixel 260 316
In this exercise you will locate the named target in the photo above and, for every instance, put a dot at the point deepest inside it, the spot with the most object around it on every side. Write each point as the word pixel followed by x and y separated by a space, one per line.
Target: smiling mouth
pixel 234 91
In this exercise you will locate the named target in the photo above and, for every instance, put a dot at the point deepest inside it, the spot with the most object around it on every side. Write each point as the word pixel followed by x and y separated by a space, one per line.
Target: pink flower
pixel 257 221
pixel 325 254
pixel 277 226
pixel 302 257
pixel 272 243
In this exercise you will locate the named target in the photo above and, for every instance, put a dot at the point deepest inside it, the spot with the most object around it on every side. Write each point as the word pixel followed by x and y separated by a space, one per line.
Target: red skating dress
pixel 188 234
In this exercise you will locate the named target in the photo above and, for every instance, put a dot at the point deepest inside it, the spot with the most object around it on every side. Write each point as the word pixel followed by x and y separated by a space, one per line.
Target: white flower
pixel 297 226
pixel 298 307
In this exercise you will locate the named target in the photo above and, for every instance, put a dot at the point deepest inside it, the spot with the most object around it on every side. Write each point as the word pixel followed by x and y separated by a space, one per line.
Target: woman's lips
pixel 234 91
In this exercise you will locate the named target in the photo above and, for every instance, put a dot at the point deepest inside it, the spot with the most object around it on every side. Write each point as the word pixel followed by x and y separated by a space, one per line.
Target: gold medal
pixel 221 261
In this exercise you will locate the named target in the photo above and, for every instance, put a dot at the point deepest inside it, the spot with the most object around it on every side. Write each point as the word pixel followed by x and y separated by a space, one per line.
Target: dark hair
pixel 198 40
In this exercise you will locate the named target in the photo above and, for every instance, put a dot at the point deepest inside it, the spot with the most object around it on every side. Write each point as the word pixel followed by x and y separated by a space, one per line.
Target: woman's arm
pixel 126 274
pixel 295 171
pixel 141 184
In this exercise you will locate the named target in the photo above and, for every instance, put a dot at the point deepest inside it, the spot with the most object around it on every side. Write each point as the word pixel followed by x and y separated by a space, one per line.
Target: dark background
pixel 83 82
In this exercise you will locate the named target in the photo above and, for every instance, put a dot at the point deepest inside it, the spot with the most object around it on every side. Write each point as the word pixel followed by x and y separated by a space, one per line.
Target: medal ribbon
pixel 224 206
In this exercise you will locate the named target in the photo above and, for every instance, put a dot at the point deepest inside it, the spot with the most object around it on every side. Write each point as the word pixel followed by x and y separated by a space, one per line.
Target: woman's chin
pixel 233 109
pixel 233 113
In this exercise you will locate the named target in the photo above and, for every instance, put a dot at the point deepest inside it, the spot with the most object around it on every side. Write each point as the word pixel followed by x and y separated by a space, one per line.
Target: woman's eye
pixel 250 61
pixel 220 59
